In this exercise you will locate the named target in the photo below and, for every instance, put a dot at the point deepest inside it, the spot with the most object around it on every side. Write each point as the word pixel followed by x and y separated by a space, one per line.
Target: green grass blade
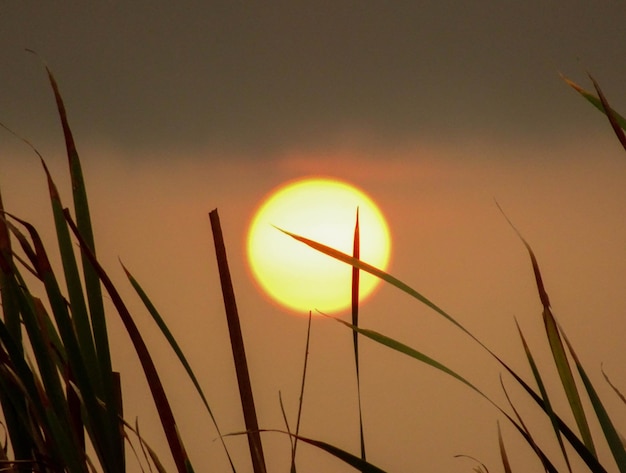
pixel 544 394
pixel 179 353
pixel 237 345
pixel 92 286
pixel 158 393
pixel 558 351
pixel 610 433
pixel 407 350
pixel 567 379
pixel 80 315
pixel 596 102
pixel 618 123
pixel 83 222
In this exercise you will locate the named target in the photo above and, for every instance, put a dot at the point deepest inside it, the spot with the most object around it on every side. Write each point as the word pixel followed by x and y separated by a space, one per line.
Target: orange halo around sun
pixel 298 277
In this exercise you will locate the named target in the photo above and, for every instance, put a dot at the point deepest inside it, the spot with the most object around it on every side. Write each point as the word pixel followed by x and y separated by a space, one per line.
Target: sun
pixel 298 277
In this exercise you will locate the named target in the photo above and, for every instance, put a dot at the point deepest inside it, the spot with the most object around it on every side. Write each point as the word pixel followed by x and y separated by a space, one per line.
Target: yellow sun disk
pixel 323 210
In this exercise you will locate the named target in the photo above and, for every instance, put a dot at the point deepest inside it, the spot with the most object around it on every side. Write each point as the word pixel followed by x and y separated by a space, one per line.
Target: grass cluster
pixel 62 401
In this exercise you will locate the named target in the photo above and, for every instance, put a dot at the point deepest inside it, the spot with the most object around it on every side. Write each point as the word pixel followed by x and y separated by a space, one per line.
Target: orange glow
pixel 298 277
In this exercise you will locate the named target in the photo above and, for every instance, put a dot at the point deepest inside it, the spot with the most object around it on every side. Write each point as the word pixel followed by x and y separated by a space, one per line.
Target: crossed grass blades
pixel 61 397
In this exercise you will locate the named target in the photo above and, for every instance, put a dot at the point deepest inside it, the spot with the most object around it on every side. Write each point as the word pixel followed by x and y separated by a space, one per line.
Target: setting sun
pixel 298 277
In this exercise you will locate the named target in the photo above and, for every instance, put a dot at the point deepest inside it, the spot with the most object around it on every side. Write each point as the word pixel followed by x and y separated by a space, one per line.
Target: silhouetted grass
pixel 60 396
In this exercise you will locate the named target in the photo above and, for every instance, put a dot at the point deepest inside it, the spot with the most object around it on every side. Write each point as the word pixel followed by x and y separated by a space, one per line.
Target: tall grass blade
pixel 356 254
pixel 545 397
pixel 80 315
pixel 558 350
pixel 83 222
pixel 164 410
pixel 179 353
pixel 301 398
pixel 237 345
pixel 610 433
pixel 106 387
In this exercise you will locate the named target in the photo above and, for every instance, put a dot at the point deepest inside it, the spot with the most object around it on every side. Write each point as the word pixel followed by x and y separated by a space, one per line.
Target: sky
pixel 435 109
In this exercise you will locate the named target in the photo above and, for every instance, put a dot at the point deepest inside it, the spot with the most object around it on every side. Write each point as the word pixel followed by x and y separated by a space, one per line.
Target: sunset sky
pixel 435 109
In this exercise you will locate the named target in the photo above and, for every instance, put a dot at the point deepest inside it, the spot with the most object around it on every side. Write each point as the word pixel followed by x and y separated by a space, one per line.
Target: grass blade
pixel 505 459
pixel 179 353
pixel 618 123
pixel 301 399
pixel 356 254
pixel 608 111
pixel 237 345
pixel 292 442
pixel 106 384
pixel 352 460
pixel 558 350
pixel 332 252
pixel 611 435
pixel 595 101
pixel 154 382
pixel 80 315
pixel 83 222
pixel 544 395
pixel 617 391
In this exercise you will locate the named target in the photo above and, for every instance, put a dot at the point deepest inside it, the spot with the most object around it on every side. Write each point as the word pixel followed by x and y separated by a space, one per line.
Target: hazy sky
pixel 432 108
